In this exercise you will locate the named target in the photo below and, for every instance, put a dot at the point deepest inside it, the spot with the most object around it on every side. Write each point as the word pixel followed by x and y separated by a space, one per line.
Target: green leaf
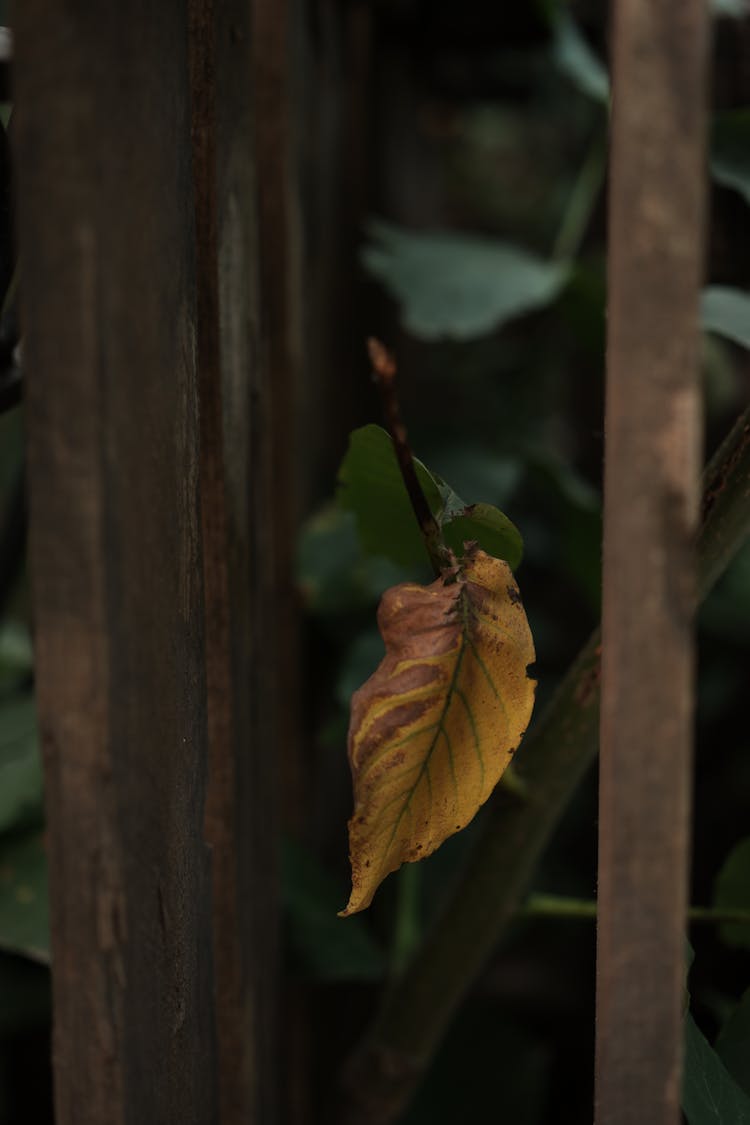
pixel 331 948
pixel 456 286
pixel 732 9
pixel 733 1043
pixel 371 486
pixel 732 892
pixel 490 528
pixel 16 652
pixel 726 312
pixel 730 150
pixel 20 768
pixel 577 61
pixel 24 911
pixel 710 1096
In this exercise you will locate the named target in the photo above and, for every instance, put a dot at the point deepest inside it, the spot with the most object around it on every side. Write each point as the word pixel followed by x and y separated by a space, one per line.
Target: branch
pixel 384 1072
pixel 384 373
pixel 560 906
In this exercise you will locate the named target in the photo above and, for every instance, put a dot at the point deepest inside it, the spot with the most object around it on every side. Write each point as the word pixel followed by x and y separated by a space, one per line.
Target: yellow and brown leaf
pixel 433 729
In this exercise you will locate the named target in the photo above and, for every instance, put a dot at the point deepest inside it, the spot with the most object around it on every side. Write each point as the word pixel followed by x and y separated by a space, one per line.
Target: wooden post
pixel 653 425
pixel 240 507
pixel 105 197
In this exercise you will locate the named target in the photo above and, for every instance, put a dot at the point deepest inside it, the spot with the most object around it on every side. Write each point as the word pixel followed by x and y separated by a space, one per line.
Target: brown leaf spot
pixel 389 725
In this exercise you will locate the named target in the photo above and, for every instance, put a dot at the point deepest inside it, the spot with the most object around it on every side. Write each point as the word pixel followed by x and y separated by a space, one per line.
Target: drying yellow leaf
pixel 433 729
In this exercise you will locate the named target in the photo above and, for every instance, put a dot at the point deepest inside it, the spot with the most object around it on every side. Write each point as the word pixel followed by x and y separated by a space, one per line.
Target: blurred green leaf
pixel 477 472
pixel 730 150
pixel 732 892
pixel 20 767
pixel 732 9
pixel 371 486
pixel 710 1096
pixel 16 652
pixel 24 911
pixel 359 663
pixel 577 61
pixel 332 948
pixel 451 285
pixel 726 611
pixel 726 312
pixel 733 1043
pixel 332 573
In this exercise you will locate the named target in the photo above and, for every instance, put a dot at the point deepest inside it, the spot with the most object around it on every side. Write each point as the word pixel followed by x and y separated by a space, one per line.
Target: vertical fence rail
pixel 108 309
pixel 239 505
pixel 652 431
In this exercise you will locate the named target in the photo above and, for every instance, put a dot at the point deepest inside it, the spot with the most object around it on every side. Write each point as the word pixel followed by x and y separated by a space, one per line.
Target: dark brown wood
pixel 108 309
pixel 278 83
pixel 238 514
pixel 653 425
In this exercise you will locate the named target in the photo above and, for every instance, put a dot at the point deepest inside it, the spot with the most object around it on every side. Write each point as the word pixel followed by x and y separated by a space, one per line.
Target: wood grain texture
pixel 108 305
pixel 653 422
pixel 238 516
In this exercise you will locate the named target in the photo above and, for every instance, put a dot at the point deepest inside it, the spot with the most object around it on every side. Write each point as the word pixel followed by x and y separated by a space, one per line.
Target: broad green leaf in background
pixel 710 1096
pixel 476 471
pixel 726 312
pixel 358 664
pixel 577 61
pixel 730 9
pixel 730 150
pixel 733 1043
pixel 434 728
pixel 457 286
pixel 328 947
pixel 371 486
pixel 20 768
pixel 333 574
pixel 24 913
pixel 575 58
pixel 732 892
pixel 16 653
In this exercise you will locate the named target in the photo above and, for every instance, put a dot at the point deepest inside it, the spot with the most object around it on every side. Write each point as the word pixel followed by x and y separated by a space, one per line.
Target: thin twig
pixel 384 373
pixel 561 906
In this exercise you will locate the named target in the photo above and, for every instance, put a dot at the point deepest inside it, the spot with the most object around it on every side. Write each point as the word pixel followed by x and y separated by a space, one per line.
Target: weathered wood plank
pixel 106 224
pixel 238 515
pixel 656 220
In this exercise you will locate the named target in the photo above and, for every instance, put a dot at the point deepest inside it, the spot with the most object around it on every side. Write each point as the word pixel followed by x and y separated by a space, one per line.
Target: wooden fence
pixel 176 321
